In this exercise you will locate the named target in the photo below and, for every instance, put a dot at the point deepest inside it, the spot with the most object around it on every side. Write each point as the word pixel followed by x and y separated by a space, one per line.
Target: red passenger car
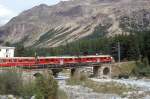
pixel 54 60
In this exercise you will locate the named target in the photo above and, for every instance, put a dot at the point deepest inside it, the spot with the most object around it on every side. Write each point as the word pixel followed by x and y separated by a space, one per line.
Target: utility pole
pixel 119 53
pixel 68 47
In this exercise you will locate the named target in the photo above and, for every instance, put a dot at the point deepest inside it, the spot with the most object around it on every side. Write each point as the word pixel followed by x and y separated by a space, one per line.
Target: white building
pixel 7 51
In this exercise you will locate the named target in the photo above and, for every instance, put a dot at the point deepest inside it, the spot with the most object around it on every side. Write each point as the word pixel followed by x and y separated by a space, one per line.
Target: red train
pixel 55 60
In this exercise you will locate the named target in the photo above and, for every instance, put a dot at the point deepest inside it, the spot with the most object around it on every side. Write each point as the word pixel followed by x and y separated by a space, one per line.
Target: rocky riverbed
pixel 143 84
pixel 82 92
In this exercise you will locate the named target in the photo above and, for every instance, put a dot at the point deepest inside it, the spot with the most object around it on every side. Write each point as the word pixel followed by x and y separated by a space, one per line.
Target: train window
pixel 26 59
pixel 14 60
pixel 40 60
pixel 67 59
pixel 6 60
pixel 47 60
pixel 56 60
pixel 19 60
pixel 52 60
pixel 77 59
pixel 30 60
pixel 88 58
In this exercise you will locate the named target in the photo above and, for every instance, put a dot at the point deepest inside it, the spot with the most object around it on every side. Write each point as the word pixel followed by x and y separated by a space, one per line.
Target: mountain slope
pixel 49 26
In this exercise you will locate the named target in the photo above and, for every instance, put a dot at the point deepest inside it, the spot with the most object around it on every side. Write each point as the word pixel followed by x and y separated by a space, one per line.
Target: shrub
pixel 142 69
pixel 10 83
pixel 46 87
pixel 28 90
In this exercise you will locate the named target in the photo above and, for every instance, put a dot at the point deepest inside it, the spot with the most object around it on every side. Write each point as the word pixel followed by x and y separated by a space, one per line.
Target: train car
pixel 53 60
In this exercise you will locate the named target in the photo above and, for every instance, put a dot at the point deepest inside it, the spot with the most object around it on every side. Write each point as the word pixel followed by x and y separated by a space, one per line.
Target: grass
pixel 65 71
pixel 124 68
pixel 107 87
pixel 131 69
pixel 62 94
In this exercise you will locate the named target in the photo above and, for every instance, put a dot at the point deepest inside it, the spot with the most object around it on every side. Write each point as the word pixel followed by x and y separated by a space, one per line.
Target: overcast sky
pixel 11 8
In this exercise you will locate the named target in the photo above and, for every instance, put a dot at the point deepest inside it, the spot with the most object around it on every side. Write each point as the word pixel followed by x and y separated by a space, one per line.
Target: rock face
pixel 67 21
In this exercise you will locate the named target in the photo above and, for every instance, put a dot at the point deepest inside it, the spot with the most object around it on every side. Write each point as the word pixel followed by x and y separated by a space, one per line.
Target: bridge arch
pixel 106 71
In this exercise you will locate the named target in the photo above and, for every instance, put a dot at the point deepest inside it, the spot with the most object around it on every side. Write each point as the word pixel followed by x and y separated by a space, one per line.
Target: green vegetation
pixel 100 31
pixel 46 87
pixel 142 69
pixel 125 68
pixel 47 35
pixel 50 34
pixel 132 69
pixel 107 87
pixel 62 94
pixel 43 87
pixel 10 83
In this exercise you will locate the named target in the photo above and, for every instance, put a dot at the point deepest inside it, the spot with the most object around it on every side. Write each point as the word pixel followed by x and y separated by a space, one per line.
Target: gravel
pixel 81 92
pixel 143 84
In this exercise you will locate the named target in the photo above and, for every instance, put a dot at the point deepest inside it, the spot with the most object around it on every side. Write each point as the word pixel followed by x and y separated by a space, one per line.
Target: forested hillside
pixel 133 47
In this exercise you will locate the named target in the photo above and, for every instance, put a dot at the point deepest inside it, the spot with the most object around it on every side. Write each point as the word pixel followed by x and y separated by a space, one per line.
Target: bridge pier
pixel 102 71
pixel 75 72
pixel 96 71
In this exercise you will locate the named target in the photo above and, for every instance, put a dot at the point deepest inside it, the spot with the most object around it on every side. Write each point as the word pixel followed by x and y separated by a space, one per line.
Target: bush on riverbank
pixel 142 69
pixel 123 68
pixel 44 86
pixel 10 83
pixel 131 69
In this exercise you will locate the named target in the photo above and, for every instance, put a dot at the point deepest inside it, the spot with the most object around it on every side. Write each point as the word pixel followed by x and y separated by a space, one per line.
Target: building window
pixel 7 50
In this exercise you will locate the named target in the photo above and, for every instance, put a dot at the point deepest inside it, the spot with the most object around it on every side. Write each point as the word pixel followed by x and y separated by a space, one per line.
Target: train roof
pixel 90 56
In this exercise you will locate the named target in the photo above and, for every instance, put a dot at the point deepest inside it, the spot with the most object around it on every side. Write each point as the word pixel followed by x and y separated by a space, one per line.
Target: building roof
pixel 5 47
